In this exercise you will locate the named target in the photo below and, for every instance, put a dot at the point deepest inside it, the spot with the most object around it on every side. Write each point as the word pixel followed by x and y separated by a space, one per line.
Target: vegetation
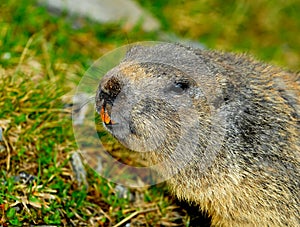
pixel 43 57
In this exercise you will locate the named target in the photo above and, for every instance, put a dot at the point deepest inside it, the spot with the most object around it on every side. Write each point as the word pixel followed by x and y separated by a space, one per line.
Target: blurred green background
pixel 43 56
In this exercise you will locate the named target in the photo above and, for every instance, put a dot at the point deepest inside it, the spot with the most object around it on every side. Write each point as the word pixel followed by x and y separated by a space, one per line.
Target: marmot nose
pixel 109 90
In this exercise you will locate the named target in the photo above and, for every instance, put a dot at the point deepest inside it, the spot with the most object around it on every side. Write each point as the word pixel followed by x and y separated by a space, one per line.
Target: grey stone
pixel 78 169
pixel 107 11
pixel 123 192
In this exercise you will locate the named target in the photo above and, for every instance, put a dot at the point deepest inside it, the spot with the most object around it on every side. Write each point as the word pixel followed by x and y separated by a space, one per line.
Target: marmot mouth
pixel 105 115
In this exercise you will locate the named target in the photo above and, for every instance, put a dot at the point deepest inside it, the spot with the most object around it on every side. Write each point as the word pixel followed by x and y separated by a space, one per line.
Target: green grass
pixel 42 58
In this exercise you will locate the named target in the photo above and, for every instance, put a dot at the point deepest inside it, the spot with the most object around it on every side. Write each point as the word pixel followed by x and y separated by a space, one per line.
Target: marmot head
pixel 159 101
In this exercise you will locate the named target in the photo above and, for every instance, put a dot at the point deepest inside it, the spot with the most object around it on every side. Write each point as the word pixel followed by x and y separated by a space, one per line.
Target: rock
pixel 106 11
pixel 78 169
pixel 1 138
pixel 123 192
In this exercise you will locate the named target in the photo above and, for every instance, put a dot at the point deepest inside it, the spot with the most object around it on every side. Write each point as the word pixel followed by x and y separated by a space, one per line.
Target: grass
pixel 43 57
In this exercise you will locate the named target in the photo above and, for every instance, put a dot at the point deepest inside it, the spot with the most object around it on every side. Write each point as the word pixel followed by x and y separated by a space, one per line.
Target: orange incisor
pixel 105 116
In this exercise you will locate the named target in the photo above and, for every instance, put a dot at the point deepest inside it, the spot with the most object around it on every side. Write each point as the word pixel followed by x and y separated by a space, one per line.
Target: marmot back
pixel 224 129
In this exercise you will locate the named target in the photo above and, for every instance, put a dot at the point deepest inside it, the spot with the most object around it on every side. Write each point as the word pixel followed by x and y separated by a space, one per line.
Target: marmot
pixel 223 128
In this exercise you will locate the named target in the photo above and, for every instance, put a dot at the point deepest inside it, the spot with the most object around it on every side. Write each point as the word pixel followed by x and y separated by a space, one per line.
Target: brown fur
pixel 225 126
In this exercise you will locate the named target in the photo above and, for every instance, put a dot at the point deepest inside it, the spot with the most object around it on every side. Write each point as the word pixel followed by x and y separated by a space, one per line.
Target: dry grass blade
pixel 133 215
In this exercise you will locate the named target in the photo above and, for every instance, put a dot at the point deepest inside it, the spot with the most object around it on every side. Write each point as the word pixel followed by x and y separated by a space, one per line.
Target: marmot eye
pixel 179 86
